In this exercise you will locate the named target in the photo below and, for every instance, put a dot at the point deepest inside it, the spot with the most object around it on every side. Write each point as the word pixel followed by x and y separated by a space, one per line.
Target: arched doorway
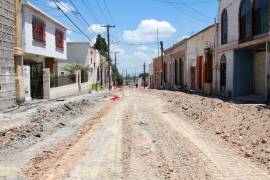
pixel 223 67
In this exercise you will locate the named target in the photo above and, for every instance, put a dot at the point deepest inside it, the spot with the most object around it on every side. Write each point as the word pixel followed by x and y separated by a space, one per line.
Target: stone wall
pixel 7 43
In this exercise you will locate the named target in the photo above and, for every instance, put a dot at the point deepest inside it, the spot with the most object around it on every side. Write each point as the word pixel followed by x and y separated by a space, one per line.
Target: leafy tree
pixel 72 68
pixel 116 75
pixel 101 46
pixel 141 75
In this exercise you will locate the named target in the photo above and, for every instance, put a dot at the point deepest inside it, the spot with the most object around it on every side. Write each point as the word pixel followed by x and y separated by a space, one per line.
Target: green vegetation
pixel 102 47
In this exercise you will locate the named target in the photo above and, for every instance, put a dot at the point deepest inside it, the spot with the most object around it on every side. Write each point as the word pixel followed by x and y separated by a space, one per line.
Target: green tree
pixel 116 75
pixel 72 68
pixel 101 46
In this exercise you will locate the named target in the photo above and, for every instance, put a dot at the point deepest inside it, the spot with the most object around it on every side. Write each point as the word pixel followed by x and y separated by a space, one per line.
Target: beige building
pixel 174 66
pixel 201 64
pixel 157 73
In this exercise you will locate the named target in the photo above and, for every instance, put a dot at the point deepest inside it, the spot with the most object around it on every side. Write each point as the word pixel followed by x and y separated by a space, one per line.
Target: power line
pixel 101 10
pixel 108 10
pixel 90 11
pixel 56 3
pixel 194 10
pixel 173 4
pixel 84 20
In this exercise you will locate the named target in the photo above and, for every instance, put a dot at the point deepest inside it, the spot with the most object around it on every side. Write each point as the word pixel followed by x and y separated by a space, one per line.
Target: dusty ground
pixel 244 127
pixel 136 137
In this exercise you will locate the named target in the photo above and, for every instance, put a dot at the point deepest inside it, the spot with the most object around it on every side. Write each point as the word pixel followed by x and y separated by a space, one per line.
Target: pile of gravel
pixel 245 127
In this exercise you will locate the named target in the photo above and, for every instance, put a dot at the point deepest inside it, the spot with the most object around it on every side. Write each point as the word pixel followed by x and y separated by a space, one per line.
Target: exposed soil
pixel 245 127
pixel 133 136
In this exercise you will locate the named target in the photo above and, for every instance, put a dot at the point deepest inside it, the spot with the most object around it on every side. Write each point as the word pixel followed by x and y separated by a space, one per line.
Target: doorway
pixel 259 72
pixel 223 74
pixel 36 79
pixel 199 72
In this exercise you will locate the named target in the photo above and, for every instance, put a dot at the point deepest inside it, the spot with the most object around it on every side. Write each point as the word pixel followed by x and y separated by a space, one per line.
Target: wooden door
pixel 199 72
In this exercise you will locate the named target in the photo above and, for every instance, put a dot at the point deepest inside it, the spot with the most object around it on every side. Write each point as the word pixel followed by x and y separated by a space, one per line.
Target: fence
pixel 62 80
pixel 84 76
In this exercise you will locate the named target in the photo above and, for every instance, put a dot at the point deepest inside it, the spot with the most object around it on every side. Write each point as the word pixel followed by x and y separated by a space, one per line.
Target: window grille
pixel 39 27
pixel 59 39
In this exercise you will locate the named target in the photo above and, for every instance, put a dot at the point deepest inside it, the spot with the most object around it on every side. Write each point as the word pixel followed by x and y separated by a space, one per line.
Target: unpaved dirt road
pixel 137 137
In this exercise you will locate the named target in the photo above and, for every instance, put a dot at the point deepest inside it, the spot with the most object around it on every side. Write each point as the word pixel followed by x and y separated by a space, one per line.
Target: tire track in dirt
pixel 57 163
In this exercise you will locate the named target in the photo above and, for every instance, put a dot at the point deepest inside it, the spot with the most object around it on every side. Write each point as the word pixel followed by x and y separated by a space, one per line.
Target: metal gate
pixel 36 80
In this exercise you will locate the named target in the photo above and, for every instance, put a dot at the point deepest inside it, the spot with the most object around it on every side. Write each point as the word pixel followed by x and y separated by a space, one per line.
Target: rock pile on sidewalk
pixel 245 127
pixel 45 120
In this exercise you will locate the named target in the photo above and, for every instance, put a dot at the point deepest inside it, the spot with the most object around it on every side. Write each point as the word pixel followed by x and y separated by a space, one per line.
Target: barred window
pixel 245 20
pixel 59 39
pixel 224 27
pixel 39 29
pixel 261 17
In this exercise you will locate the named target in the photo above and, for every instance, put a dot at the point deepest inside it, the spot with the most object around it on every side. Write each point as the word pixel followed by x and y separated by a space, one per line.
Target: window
pixel 261 17
pixel 245 20
pixel 38 29
pixel 224 27
pixel 59 39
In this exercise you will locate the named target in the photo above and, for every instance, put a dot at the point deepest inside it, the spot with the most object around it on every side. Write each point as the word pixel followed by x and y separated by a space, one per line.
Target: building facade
pixel 7 45
pixel 175 63
pixel 243 48
pixel 157 73
pixel 201 71
pixel 44 44
pixel 151 76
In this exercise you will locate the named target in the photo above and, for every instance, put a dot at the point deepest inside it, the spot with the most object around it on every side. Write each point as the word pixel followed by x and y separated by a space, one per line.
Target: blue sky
pixel 136 22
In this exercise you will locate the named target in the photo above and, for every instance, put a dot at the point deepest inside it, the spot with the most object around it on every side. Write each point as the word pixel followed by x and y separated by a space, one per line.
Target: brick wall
pixel 7 42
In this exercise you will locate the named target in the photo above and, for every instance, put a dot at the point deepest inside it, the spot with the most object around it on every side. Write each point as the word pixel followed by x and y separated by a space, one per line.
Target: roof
pixel 34 8
pixel 205 29
pixel 176 45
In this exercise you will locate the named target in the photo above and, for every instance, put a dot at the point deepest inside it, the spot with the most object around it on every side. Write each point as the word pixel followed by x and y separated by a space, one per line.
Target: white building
pixel 44 44
pixel 243 48
pixel 81 53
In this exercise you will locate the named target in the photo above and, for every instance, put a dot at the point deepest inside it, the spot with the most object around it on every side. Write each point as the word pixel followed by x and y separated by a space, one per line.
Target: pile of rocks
pixel 245 127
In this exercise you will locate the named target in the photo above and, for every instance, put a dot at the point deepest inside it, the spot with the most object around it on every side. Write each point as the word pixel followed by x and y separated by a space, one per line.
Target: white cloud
pixel 68 39
pixel 133 60
pixel 183 37
pixel 143 48
pixel 66 7
pixel 96 28
pixel 147 31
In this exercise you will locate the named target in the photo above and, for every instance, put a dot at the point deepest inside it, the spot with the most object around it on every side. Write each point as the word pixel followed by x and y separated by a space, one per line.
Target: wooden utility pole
pixel 144 75
pixel 18 55
pixel 109 59
pixel 162 64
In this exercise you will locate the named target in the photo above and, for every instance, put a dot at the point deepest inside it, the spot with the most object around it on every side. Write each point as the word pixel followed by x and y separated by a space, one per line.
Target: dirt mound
pixel 43 121
pixel 244 127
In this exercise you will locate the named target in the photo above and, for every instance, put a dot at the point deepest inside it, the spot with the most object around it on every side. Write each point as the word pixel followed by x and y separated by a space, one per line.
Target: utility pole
pixel 162 64
pixel 18 55
pixel 144 75
pixel 109 59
